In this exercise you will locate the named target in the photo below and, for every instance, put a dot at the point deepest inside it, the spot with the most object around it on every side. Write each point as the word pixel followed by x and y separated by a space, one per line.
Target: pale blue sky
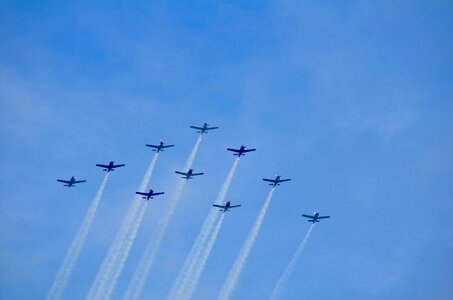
pixel 353 100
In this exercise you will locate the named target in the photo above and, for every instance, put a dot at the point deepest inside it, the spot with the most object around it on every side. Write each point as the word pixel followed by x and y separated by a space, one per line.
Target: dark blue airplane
pixel 226 207
pixel 204 128
pixel 315 218
pixel 276 181
pixel 110 167
pixel 160 147
pixel 189 174
pixel 241 151
pixel 71 182
pixel 149 195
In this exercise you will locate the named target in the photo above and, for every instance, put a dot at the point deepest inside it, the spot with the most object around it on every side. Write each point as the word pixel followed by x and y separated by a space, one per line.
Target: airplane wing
pixel 248 150
pixel 79 181
pixel 102 166
pixel 140 193
pixel 168 146
pixel 283 180
pixel 155 194
pixel 196 174
pixel 211 128
pixel 234 150
pixel 64 181
pixel 220 206
pixel 182 173
pixel 308 216
pixel 324 217
pixel 233 206
pixel 152 146
pixel 270 180
pixel 117 166
pixel 195 127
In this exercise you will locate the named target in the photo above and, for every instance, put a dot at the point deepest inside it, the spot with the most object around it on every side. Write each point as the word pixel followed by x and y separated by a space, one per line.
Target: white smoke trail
pixel 283 281
pixel 73 253
pixel 108 265
pixel 106 270
pixel 232 279
pixel 192 260
pixel 196 275
pixel 194 152
pixel 146 263
pixel 125 253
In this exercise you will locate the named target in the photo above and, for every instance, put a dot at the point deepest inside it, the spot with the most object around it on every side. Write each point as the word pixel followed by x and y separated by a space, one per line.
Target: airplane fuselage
pixel 71 182
pixel 315 218
pixel 150 194
pixel 110 167
pixel 203 128
pixel 159 147
pixel 277 181
pixel 189 174
pixel 241 151
pixel 227 206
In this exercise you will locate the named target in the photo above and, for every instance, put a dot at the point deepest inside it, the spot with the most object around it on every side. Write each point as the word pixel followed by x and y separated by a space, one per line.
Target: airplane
pixel 160 147
pixel 241 151
pixel 226 207
pixel 149 195
pixel 70 182
pixel 315 218
pixel 204 128
pixel 276 181
pixel 189 174
pixel 110 167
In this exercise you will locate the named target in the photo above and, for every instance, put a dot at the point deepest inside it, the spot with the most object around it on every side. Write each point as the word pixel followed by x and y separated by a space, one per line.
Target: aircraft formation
pixel 186 175
pixel 190 174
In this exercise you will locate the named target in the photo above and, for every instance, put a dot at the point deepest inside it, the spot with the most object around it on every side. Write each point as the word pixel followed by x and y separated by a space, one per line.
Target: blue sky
pixel 352 100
